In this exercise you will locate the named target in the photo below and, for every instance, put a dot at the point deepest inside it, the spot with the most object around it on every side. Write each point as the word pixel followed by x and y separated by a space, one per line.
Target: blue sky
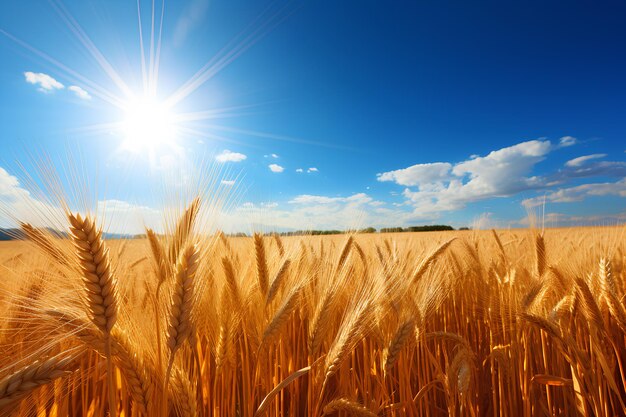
pixel 397 113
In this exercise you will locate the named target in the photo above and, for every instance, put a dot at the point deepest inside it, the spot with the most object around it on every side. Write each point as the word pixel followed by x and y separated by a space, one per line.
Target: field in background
pixel 465 323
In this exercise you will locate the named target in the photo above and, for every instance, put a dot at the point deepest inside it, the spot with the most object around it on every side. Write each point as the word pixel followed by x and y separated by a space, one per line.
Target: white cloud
pixel 274 156
pixel 228 182
pixel 418 174
pixel 127 218
pixel 579 193
pixel 312 169
pixel 443 186
pixel 80 93
pixel 17 204
pixel 314 199
pixel 437 187
pixel 589 169
pixel 275 168
pixel 299 170
pixel 561 220
pixel 45 82
pixel 306 212
pixel 359 198
pixel 228 156
pixel 8 184
pixel 581 160
pixel 566 141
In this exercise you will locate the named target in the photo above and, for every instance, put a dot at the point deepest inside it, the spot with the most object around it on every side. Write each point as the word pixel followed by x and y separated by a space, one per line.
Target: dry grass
pixel 509 323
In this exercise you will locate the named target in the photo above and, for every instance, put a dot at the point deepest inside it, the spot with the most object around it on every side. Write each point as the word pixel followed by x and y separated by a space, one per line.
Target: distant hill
pixel 10 234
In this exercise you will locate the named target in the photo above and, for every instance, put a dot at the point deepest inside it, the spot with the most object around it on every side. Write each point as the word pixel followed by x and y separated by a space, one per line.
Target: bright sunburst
pixel 148 124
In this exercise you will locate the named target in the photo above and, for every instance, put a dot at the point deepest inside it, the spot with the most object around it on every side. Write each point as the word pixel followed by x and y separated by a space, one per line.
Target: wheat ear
pixel 158 254
pixel 345 251
pixel 100 285
pixel 397 343
pixel 279 244
pixel 277 282
pixel 231 282
pixel 319 323
pixel 350 407
pixel 261 263
pixel 184 394
pixel 351 329
pixel 282 315
pixel 423 266
pixel 138 373
pixel 135 370
pixel 184 228
pixel 20 383
pixel 540 251
pixel 179 324
pixel 590 308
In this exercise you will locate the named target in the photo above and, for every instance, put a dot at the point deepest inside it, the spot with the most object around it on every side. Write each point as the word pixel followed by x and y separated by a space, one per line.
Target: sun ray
pixel 73 76
pixel 273 136
pixel 151 67
pixel 209 135
pixel 157 63
pixel 96 128
pixel 222 59
pixel 149 122
pixel 84 39
pixel 144 75
pixel 219 113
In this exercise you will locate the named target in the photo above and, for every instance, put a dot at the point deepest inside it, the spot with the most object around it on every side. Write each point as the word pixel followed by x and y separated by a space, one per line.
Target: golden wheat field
pixel 468 323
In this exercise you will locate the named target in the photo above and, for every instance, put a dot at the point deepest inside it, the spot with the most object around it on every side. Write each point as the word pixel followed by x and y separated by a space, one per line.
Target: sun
pixel 148 123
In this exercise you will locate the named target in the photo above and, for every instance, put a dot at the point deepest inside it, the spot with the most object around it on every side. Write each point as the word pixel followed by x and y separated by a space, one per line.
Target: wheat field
pixel 191 323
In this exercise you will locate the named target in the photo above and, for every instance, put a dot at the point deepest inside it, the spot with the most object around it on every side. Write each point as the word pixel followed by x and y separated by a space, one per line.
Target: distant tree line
pixel 311 232
pixel 430 228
